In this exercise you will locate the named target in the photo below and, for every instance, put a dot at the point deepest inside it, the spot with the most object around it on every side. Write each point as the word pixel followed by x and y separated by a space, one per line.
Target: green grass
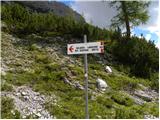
pixel 6 87
pixel 7 106
pixel 53 67
pixel 96 67
pixel 46 74
pixel 71 104
pixel 127 113
pixel 122 99
pixel 137 112
pixel 42 58
pixel 120 81
pixel 107 102
pixel 96 108
pixel 151 108
pixel 19 78
pixel 76 70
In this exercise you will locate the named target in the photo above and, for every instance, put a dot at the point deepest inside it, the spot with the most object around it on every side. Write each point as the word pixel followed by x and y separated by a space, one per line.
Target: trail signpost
pixel 85 48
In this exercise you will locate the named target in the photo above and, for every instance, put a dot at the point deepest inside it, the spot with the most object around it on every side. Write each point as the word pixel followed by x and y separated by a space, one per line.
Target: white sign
pixel 85 48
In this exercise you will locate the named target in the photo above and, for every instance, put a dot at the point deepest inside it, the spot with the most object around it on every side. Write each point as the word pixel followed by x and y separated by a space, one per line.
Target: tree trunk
pixel 126 18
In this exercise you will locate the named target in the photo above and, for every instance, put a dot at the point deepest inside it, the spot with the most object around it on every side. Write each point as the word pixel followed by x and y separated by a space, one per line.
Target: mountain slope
pixel 39 79
pixel 57 8
pixel 45 68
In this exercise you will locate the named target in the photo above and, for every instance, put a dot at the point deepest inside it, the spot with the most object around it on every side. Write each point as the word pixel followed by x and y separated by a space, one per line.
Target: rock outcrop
pixel 75 84
pixel 147 94
pixel 150 117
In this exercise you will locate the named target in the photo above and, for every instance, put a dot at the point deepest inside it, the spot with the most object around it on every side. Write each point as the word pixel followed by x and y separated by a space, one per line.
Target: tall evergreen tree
pixel 130 13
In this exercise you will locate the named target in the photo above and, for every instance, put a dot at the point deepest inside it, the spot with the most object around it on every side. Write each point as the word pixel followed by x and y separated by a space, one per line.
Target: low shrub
pixel 67 108
pixel 151 108
pixel 127 113
pixel 122 99
pixel 95 66
pixel 155 81
pixel 41 58
pixel 19 78
pixel 96 108
pixel 76 70
pixel 53 67
pixel 123 68
pixel 51 34
pixel 105 101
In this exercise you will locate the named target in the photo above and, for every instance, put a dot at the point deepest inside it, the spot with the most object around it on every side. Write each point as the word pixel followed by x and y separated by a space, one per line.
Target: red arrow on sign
pixel 71 49
pixel 102 50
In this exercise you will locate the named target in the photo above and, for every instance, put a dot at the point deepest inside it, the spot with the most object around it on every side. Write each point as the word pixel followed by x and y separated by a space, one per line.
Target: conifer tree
pixel 130 13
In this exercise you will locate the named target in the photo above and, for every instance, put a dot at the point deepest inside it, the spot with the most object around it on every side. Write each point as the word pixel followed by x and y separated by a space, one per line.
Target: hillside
pixel 31 64
pixel 57 8
pixel 39 80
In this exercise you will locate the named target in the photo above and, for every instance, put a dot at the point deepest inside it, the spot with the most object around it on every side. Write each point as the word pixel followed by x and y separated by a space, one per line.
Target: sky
pixel 99 13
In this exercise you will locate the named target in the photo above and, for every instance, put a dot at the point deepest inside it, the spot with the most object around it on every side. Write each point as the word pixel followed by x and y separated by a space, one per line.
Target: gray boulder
pixel 101 84
pixel 108 69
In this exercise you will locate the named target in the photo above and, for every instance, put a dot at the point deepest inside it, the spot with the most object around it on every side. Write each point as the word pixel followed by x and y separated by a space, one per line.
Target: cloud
pixel 98 12
pixel 101 13
pixel 148 37
pixel 158 44
pixel 153 25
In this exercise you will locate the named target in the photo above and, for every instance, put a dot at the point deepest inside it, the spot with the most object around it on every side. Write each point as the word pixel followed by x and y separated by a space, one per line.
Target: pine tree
pixel 130 13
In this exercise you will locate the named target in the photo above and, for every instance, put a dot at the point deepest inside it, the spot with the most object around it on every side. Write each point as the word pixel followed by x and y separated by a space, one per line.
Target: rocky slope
pixel 46 83
pixel 30 103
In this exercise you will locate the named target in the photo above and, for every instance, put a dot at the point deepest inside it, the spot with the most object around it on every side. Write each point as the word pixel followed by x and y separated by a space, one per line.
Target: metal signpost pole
pixel 85 48
pixel 86 80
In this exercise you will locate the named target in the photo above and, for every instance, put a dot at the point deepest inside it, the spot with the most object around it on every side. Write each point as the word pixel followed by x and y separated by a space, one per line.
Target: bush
pixel 141 56
pixel 51 34
pixel 122 99
pixel 123 68
pixel 95 66
pixel 151 108
pixel 127 113
pixel 105 101
pixel 137 112
pixel 155 81
pixel 48 74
